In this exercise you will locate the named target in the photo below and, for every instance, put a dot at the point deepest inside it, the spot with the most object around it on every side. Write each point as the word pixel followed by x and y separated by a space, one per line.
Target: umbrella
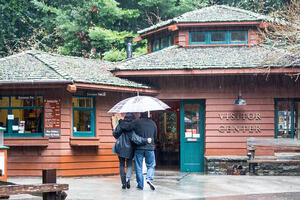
pixel 139 104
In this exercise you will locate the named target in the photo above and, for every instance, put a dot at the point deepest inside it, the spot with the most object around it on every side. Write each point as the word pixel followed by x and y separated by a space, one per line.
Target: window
pixel 218 37
pixel 238 36
pixel 83 117
pixel 287 118
pixel 198 37
pixel 22 116
pixel 163 42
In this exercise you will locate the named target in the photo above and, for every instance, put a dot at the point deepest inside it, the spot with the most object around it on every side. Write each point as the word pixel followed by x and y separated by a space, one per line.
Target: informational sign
pixel 52 117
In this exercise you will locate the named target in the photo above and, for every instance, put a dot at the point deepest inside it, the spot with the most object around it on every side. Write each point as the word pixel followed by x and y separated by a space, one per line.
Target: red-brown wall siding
pixel 59 154
pixel 181 37
pixel 219 94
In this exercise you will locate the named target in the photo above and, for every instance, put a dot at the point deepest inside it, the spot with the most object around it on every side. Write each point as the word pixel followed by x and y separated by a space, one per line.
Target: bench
pixel 49 189
pixel 281 145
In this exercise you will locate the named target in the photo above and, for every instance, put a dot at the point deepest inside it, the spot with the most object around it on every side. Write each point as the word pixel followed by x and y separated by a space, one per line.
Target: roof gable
pixel 217 13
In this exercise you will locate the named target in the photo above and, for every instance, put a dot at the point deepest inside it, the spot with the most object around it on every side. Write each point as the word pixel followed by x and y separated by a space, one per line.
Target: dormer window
pixel 162 42
pixel 218 37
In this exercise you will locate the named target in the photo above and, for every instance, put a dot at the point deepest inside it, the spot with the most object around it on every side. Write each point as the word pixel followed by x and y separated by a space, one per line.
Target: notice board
pixel 52 117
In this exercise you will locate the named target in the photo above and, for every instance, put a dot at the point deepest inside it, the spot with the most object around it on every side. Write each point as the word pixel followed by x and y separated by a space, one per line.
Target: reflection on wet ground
pixel 177 186
pixel 273 196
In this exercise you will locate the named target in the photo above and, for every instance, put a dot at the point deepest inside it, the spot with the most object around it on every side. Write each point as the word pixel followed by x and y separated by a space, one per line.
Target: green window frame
pixel 83 116
pixel 227 37
pixel 169 41
pixel 287 118
pixel 29 121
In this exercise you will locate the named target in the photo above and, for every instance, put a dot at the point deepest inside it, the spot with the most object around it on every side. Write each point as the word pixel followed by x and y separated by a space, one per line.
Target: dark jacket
pixel 146 128
pixel 125 136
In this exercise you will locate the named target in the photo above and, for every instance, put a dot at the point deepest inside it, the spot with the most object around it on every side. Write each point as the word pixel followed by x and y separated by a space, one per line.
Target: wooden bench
pixel 277 145
pixel 49 189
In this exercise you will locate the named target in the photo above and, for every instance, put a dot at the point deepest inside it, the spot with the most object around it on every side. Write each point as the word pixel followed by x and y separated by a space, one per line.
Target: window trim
pixel 91 133
pixel 227 38
pixel 9 109
pixel 292 100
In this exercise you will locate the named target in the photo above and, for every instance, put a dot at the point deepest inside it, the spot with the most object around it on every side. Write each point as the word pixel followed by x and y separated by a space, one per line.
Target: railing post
pixel 49 176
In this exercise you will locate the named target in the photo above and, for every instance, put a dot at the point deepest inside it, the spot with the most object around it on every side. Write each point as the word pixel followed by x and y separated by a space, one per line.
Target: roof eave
pixel 210 71
pixel 113 88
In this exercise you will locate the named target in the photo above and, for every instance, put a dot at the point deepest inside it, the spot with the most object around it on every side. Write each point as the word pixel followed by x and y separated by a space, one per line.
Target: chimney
pixel 129 47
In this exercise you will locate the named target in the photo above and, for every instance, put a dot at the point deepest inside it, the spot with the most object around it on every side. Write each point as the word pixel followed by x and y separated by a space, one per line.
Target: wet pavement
pixel 171 185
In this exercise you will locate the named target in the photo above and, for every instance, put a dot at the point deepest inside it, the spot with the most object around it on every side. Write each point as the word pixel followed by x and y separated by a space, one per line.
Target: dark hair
pixel 129 117
pixel 144 115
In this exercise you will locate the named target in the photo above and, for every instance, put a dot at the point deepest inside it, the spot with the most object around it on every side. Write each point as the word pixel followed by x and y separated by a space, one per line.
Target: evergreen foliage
pixel 94 28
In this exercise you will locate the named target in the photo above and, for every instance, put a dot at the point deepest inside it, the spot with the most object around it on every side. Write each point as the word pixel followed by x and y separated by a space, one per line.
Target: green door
pixel 192 136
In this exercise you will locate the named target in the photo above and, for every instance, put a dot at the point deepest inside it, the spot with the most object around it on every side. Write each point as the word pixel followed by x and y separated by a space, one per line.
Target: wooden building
pixel 55 107
pixel 55 111
pixel 201 62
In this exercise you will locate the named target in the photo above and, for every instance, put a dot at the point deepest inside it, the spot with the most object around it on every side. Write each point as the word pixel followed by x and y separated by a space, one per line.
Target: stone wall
pixel 226 165
pixel 278 169
pixel 237 165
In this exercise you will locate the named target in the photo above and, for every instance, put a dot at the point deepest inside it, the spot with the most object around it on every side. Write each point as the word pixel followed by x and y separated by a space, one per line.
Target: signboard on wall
pixel 52 117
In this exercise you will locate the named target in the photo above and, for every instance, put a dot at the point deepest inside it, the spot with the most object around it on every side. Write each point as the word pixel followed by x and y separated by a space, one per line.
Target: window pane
pixel 82 120
pixel 192 120
pixel 156 45
pixel 238 36
pixel 171 40
pixel 27 120
pixel 3 118
pixel 26 101
pixel 297 120
pixel 4 101
pixel 284 119
pixel 82 102
pixel 164 42
pixel 197 36
pixel 218 37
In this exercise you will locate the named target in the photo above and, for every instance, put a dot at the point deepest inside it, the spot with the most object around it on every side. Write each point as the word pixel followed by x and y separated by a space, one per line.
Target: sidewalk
pixel 177 186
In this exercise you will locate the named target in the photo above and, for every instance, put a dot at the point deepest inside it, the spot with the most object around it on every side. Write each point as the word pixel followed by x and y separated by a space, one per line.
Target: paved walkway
pixel 178 186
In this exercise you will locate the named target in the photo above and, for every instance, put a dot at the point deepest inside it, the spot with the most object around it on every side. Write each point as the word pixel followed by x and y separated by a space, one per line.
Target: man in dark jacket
pixel 146 128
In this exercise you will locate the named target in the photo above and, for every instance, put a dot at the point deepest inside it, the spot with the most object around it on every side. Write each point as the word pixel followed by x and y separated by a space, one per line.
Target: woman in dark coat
pixel 124 146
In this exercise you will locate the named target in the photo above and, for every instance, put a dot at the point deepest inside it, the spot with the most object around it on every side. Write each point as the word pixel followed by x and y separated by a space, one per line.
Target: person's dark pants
pixel 150 163
pixel 127 176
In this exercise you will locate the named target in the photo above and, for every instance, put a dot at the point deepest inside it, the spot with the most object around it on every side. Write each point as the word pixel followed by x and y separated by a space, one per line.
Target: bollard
pixel 49 176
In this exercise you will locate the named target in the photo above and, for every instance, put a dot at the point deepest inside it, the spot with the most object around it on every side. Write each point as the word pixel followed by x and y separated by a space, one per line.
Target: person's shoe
pixel 151 185
pixel 123 186
pixel 139 188
pixel 128 184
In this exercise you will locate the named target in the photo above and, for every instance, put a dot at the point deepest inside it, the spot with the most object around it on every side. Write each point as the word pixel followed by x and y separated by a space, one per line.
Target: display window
pixel 83 117
pixel 287 118
pixel 22 116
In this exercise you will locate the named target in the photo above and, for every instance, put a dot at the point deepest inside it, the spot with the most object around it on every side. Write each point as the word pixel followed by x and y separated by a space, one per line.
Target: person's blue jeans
pixel 150 164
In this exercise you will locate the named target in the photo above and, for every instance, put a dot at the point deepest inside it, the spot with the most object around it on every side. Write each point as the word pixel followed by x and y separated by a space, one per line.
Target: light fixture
pixel 240 101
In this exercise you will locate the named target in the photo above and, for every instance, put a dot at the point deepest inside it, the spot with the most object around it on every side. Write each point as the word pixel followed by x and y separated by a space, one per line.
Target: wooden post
pixel 49 176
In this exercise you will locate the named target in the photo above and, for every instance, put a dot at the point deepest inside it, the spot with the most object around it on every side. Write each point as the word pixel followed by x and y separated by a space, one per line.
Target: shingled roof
pixel 217 13
pixel 176 57
pixel 37 65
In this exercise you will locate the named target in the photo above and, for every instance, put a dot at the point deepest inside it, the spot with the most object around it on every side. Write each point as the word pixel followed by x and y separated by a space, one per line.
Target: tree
pixel 283 34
